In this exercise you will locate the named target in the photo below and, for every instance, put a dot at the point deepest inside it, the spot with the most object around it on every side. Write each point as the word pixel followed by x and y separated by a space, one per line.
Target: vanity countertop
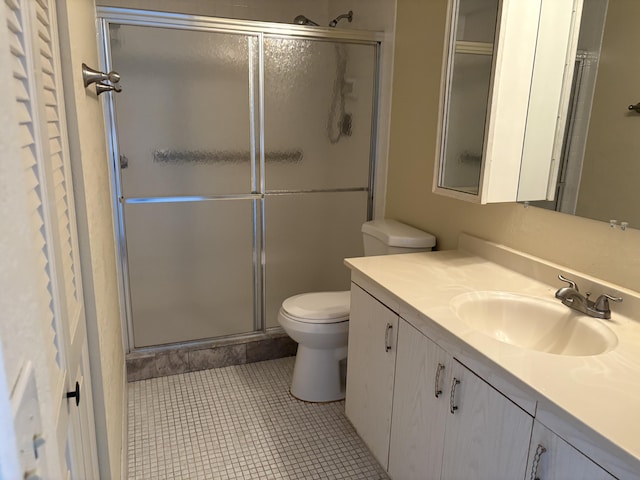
pixel 591 401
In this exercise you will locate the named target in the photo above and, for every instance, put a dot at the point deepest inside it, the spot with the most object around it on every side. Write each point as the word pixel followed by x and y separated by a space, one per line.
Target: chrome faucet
pixel 572 298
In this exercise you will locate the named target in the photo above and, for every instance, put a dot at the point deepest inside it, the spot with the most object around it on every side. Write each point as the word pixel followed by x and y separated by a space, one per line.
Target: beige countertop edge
pixel 592 402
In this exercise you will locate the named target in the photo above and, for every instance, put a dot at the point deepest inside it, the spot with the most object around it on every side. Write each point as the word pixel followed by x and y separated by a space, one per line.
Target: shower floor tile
pixel 240 422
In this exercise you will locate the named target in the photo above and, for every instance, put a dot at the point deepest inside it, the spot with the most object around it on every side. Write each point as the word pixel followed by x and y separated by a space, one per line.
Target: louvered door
pixel 40 115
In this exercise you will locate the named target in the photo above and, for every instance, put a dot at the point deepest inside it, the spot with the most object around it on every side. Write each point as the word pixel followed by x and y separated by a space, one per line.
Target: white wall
pixel 90 167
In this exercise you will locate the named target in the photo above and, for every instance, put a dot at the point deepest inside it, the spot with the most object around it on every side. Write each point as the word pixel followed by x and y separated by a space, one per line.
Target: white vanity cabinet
pixel 420 403
pixel 370 370
pixel 551 458
pixel 448 423
pixel 503 102
pixel 486 435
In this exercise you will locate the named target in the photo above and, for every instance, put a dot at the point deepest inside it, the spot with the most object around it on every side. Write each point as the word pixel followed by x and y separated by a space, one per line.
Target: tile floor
pixel 240 422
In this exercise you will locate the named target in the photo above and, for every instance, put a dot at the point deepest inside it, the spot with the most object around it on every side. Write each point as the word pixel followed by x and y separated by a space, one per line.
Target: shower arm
pixel 302 20
pixel 348 16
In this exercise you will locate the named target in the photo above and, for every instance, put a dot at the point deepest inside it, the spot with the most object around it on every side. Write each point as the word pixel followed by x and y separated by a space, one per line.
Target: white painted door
pixel 552 458
pixel 420 406
pixel 487 435
pixel 370 371
pixel 40 117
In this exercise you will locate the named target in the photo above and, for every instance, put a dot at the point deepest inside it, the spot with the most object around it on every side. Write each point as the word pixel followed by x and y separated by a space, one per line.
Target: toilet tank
pixel 386 237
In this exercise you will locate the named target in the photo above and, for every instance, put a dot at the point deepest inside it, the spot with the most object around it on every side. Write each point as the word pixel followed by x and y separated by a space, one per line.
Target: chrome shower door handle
pixel 387 337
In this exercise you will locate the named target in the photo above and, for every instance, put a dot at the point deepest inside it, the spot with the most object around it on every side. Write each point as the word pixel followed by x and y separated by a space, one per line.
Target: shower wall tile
pixel 217 357
pixel 183 359
pixel 271 349
pixel 171 363
pixel 141 367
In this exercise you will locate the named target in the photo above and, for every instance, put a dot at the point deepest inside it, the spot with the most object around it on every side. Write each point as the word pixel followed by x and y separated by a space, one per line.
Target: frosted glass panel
pixel 307 238
pixel 467 99
pixel 190 269
pixel 318 109
pixel 466 121
pixel 184 116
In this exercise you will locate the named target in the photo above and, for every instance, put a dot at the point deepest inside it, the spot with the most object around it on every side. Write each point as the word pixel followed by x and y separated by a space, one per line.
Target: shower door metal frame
pixel 259 30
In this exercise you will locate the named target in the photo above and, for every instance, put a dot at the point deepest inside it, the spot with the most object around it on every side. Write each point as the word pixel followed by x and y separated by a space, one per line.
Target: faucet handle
pixel 571 283
pixel 602 302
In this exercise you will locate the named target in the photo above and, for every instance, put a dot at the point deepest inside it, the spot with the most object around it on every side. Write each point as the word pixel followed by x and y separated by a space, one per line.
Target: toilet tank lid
pixel 397 234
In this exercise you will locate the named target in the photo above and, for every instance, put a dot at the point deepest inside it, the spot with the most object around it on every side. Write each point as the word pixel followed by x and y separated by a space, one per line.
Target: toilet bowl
pixel 319 321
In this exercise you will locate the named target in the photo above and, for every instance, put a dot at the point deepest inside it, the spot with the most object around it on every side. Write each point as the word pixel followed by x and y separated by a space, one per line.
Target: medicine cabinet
pixel 506 77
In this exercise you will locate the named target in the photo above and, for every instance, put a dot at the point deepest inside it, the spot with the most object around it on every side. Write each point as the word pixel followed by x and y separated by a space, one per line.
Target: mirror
pixel 600 161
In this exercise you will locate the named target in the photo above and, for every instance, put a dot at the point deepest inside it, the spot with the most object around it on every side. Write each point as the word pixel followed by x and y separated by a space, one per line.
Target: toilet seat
pixel 318 307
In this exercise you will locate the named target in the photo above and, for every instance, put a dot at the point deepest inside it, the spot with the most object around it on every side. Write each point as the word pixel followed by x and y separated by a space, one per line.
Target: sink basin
pixel 534 323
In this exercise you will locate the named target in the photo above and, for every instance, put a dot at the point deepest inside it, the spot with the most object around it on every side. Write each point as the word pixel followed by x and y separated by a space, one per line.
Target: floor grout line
pixel 240 422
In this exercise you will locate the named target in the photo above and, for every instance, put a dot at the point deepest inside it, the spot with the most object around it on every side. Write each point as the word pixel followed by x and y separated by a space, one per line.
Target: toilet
pixel 319 321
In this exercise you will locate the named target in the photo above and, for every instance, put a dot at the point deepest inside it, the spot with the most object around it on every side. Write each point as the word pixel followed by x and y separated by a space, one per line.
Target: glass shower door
pixel 188 181
pixel 319 110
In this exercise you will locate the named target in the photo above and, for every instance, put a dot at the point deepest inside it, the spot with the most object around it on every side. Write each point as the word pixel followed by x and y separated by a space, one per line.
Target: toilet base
pixel 318 376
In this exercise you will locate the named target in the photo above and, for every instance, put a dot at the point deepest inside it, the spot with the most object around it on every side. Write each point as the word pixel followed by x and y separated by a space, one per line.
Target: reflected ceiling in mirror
pixel 599 175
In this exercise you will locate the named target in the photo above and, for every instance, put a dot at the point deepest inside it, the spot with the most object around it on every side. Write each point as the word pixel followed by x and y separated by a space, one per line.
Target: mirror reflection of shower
pixel 339 123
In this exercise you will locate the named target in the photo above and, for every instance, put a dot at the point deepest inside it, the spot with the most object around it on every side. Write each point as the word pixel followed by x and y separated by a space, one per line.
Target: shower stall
pixel 242 167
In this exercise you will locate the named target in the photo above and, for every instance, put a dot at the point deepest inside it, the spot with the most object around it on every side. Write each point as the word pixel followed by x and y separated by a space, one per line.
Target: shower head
pixel 302 20
pixel 348 16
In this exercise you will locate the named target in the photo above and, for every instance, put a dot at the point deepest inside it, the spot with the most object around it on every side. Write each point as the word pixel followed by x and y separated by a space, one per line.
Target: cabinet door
pixel 370 371
pixel 420 403
pixel 503 97
pixel 487 435
pixel 551 458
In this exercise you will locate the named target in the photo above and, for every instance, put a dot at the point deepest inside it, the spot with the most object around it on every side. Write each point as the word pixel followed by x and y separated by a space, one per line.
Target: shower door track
pixel 259 30
pixel 125 16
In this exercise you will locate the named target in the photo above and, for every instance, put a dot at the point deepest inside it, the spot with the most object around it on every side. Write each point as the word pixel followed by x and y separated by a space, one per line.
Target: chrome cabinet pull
pixel 536 462
pixel 387 337
pixel 452 399
pixel 438 390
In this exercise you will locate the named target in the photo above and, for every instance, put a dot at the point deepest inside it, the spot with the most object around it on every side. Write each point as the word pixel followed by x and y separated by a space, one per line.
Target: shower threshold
pixel 161 361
